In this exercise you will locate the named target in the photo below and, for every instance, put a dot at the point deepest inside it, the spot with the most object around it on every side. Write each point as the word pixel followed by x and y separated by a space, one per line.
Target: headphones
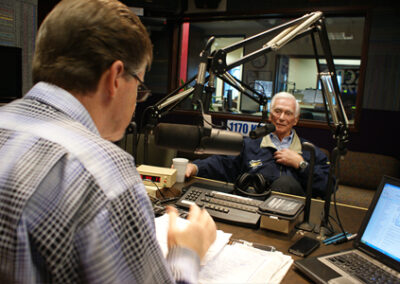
pixel 257 181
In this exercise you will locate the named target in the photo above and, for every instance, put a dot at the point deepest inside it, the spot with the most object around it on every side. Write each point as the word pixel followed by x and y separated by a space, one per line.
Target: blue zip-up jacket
pixel 257 156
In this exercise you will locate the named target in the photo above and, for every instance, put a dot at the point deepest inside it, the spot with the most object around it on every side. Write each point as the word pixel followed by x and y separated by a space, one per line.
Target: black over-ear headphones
pixel 257 181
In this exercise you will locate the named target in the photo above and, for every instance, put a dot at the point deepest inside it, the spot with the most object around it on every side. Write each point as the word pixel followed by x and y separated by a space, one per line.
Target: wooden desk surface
pixel 350 216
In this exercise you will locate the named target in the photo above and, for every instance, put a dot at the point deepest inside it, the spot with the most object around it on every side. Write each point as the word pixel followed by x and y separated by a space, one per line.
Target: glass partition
pixel 291 68
pixel 226 98
pixel 298 75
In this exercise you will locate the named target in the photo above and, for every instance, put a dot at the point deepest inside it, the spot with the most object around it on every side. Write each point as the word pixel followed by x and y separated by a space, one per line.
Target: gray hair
pixel 286 95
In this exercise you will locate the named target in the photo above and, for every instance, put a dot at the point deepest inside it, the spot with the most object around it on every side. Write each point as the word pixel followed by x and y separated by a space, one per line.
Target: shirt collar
pixel 285 143
pixel 286 139
pixel 63 101
pixel 295 143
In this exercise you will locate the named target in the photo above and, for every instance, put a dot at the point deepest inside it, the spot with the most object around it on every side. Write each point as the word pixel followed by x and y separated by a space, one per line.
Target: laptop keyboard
pixel 362 269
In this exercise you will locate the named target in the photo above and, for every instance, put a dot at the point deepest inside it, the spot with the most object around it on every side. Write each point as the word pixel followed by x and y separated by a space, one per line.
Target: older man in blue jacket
pixel 278 156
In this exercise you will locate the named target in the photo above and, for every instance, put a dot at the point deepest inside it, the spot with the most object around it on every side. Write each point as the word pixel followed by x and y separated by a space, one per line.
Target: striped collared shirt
pixel 285 143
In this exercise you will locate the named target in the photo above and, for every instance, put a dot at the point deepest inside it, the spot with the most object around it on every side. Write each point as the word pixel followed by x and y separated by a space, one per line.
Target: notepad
pixel 239 263
pixel 236 263
pixel 162 229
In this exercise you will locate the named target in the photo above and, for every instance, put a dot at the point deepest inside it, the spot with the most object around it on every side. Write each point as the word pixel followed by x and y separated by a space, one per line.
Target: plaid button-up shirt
pixel 73 208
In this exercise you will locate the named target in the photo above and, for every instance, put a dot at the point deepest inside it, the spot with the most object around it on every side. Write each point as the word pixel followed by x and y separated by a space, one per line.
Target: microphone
pixel 262 131
pixel 197 139
pixel 201 75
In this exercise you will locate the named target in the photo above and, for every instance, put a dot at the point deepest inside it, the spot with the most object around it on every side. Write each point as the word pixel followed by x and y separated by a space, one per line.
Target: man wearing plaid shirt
pixel 73 208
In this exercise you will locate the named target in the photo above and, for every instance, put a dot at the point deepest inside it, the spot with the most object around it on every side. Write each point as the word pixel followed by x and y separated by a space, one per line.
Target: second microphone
pixel 192 138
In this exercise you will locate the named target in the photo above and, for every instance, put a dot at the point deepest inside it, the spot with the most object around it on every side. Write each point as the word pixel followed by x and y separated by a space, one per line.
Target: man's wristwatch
pixel 303 165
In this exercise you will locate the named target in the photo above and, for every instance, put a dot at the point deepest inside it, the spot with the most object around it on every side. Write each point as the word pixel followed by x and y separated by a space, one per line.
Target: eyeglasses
pixel 143 92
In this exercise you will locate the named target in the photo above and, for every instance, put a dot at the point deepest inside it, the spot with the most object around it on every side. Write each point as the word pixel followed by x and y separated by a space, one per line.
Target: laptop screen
pixel 383 229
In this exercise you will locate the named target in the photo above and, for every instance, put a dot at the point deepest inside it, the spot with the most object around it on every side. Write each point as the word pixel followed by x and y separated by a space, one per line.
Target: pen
pixel 344 240
pixel 340 239
pixel 255 245
pixel 263 247
pixel 338 236
pixel 353 236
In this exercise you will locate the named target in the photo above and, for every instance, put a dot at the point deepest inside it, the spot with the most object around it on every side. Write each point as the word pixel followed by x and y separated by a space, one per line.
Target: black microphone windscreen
pixel 177 136
pixel 193 138
pixel 262 131
pixel 221 142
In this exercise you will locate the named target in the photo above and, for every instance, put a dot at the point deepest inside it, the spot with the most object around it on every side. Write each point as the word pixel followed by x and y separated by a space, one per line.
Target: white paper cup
pixel 180 166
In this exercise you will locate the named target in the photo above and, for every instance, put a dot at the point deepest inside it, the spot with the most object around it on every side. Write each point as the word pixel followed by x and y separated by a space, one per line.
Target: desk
pixel 351 219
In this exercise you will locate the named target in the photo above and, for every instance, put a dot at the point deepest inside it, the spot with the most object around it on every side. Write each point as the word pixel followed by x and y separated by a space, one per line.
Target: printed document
pixel 236 263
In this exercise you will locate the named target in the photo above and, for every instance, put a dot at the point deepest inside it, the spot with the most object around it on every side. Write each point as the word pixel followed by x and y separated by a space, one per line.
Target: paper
pixel 162 229
pixel 236 263
pixel 239 263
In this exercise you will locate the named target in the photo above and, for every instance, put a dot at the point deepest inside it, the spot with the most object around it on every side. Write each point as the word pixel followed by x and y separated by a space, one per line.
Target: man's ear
pixel 297 120
pixel 115 73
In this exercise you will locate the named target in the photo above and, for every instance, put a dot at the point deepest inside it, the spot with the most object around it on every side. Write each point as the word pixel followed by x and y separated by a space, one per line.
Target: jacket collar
pixel 295 145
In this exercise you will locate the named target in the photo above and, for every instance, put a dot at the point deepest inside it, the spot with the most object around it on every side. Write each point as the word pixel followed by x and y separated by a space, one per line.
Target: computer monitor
pixel 312 96
pixel 11 78
pixel 248 105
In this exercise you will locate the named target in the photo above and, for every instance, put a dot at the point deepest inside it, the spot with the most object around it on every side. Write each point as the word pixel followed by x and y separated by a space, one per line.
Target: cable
pixel 338 221
pixel 336 209
pixel 210 123
pixel 329 224
pixel 158 189
pixel 155 200
pixel 168 200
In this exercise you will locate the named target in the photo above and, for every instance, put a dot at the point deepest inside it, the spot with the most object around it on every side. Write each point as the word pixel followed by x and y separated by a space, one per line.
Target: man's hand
pixel 288 157
pixel 198 235
pixel 191 170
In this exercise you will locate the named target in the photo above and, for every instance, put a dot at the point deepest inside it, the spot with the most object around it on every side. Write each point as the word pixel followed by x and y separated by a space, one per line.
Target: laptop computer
pixel 377 244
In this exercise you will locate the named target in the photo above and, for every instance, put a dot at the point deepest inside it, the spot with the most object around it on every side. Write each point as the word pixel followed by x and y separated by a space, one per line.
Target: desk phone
pixel 224 207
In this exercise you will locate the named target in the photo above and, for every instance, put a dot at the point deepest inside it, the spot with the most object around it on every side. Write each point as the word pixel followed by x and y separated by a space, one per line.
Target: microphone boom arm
pixel 308 24
pixel 215 64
